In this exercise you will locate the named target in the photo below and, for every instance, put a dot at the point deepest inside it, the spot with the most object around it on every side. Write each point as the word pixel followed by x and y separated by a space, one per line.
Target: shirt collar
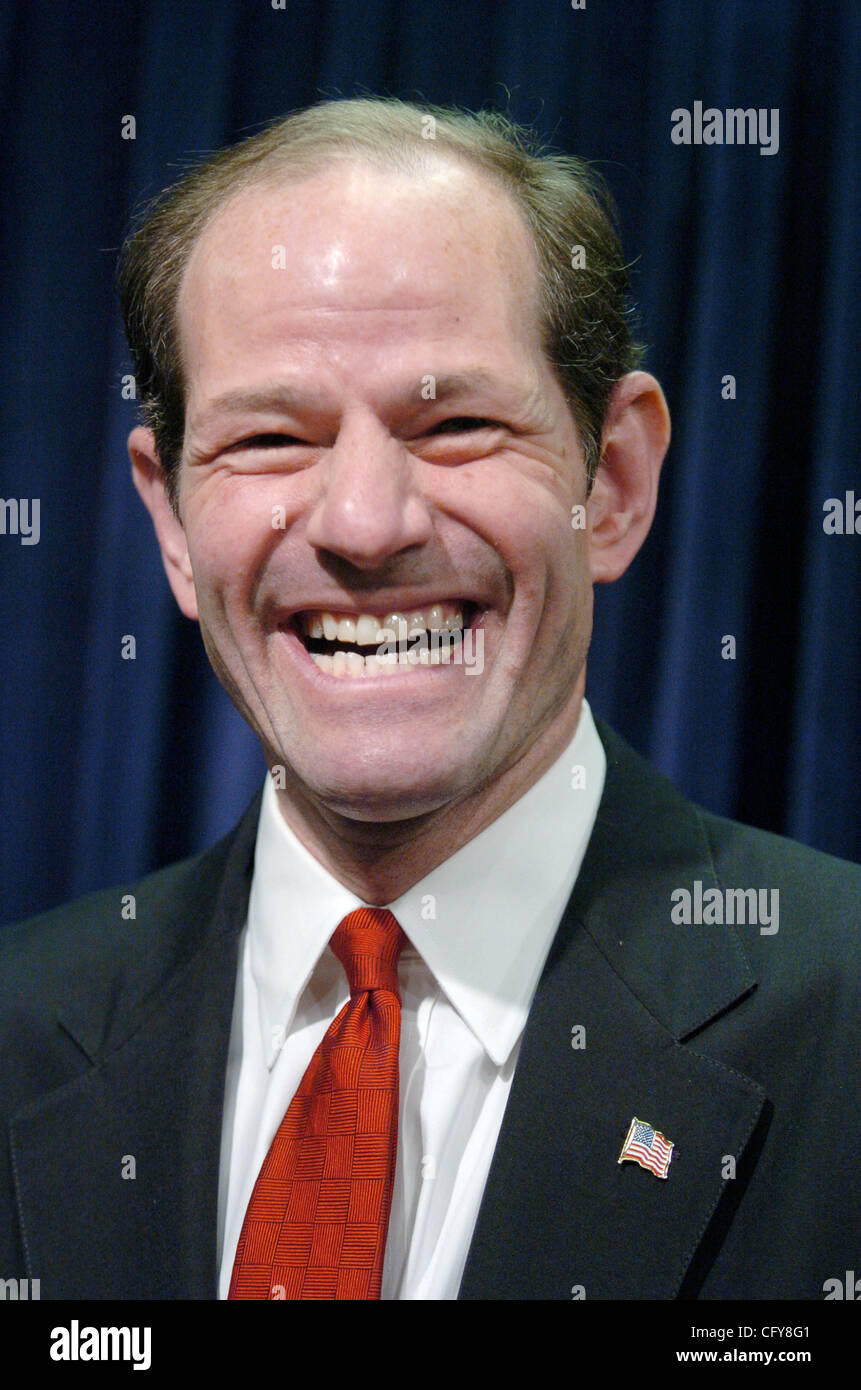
pixel 483 921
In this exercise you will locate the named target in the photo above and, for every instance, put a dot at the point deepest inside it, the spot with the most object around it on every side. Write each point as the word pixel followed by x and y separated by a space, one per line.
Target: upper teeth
pixel 369 630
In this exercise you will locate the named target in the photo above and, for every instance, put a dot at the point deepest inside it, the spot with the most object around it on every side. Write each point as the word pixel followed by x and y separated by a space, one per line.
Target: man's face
pixel 372 429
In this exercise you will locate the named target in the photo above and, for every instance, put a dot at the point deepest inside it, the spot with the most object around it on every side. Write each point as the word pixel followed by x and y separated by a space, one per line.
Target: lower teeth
pixel 352 663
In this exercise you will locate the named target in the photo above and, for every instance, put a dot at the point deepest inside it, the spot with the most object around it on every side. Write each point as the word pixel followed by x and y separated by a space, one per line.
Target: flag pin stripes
pixel 646 1146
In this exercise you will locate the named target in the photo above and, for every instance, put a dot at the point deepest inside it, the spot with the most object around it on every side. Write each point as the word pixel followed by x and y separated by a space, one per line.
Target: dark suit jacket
pixel 733 1043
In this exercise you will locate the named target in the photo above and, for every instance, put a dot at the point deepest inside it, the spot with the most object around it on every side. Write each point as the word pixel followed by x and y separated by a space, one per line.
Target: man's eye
pixel 457 424
pixel 461 424
pixel 265 441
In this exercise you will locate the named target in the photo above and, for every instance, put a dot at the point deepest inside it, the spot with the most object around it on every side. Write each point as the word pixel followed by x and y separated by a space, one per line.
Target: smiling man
pixel 424 1025
pixel 374 437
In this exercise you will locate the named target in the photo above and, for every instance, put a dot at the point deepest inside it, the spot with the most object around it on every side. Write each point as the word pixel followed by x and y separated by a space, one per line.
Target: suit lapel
pixel 560 1217
pixel 152 1235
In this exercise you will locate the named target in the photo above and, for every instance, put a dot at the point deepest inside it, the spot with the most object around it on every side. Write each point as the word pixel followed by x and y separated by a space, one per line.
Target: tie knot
pixel 368 943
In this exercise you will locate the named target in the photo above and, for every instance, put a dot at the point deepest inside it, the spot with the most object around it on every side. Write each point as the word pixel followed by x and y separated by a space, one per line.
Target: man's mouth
pixel 371 644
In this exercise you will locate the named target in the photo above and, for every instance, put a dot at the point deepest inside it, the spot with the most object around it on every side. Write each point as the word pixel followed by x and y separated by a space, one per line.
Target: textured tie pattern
pixel 317 1219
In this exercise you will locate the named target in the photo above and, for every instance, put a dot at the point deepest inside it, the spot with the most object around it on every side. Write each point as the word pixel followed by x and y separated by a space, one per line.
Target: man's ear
pixel 621 505
pixel 148 478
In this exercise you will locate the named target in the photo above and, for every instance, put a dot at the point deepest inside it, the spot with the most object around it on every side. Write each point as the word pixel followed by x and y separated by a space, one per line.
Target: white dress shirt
pixel 479 929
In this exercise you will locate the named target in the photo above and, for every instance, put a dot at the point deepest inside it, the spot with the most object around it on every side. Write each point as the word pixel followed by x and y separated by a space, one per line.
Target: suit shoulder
pixel 139 924
pixel 635 789
pixel 821 880
pixel 805 941
pixel 816 896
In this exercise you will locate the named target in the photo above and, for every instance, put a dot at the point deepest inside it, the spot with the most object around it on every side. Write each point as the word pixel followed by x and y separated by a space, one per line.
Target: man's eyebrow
pixel 277 396
pixel 280 396
pixel 465 384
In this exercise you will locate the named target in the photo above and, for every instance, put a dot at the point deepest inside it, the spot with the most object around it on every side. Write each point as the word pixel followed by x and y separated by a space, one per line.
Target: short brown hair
pixel 583 293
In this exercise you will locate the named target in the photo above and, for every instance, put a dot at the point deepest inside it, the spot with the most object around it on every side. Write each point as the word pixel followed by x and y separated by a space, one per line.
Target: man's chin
pixel 403 793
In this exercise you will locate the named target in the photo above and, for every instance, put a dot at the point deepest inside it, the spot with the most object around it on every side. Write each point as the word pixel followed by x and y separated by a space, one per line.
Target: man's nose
pixel 370 508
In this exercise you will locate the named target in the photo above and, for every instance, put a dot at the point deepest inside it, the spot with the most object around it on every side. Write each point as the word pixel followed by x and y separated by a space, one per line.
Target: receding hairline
pixel 272 177
pixel 277 172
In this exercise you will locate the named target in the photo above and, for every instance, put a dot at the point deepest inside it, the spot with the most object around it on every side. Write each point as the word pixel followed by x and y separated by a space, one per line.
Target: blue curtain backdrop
pixel 746 264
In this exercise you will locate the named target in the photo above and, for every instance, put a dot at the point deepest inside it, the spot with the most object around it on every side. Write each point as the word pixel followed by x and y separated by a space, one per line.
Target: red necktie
pixel 317 1219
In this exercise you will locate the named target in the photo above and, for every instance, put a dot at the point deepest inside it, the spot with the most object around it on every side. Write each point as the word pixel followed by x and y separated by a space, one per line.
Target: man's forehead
pixel 356 235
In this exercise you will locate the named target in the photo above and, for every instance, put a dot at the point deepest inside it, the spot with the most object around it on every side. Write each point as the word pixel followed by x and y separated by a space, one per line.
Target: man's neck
pixel 379 861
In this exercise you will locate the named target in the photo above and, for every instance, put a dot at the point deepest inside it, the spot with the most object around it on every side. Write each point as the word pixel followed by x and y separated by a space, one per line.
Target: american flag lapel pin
pixel 644 1145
